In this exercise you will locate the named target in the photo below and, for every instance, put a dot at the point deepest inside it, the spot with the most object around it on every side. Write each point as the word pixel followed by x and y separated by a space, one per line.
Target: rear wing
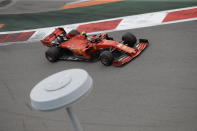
pixel 51 37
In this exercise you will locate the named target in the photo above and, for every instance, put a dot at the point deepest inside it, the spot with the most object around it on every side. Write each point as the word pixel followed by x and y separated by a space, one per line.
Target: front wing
pixel 143 43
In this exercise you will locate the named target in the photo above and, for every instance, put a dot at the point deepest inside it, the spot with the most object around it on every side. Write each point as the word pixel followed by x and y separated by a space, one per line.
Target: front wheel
pixel 129 39
pixel 53 54
pixel 106 58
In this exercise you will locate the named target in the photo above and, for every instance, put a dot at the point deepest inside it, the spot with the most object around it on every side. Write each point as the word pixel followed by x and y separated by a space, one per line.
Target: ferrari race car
pixel 78 46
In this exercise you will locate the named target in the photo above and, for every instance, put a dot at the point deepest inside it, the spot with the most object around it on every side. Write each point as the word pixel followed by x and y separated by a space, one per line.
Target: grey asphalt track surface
pixel 155 92
pixel 33 6
pixel 4 3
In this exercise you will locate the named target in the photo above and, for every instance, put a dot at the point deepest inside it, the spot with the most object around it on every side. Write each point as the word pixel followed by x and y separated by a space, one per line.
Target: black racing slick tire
pixel 53 54
pixel 129 39
pixel 106 58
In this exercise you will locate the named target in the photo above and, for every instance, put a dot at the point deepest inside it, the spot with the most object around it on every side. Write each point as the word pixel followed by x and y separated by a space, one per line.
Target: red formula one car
pixel 78 46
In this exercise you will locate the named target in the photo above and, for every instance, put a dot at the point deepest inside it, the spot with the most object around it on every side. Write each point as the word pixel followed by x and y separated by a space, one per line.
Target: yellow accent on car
pixel 124 47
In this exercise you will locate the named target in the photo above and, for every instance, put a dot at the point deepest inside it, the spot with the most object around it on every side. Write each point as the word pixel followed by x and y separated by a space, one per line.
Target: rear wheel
pixel 129 39
pixel 106 58
pixel 53 54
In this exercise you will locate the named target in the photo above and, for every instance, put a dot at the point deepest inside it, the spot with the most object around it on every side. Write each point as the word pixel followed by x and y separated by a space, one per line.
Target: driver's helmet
pixel 83 33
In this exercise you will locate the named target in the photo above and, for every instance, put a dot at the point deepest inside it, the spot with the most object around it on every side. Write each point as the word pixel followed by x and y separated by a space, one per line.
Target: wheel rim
pixel 49 58
pixel 105 61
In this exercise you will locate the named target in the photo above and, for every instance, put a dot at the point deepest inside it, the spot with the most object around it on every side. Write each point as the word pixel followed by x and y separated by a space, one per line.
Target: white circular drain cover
pixel 60 83
pixel 60 89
